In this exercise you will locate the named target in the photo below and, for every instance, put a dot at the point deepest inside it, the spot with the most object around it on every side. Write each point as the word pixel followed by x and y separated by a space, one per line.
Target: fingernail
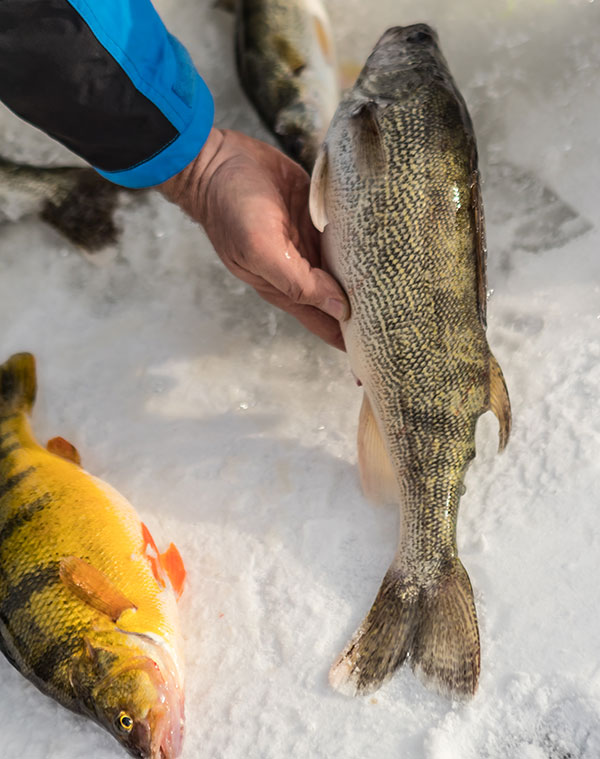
pixel 336 308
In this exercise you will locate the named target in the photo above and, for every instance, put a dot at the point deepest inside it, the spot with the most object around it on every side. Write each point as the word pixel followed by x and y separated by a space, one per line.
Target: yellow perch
pixel 87 604
pixel 396 188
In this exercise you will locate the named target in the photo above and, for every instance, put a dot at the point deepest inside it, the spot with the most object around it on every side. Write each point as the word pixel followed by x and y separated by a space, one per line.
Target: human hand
pixel 253 203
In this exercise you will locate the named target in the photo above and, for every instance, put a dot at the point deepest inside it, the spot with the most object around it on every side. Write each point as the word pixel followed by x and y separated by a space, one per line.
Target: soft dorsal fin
pixel 93 587
pixel 377 476
pixel 61 447
pixel 500 402
pixel 318 190
pixel 173 565
pixel 367 141
pixel 480 244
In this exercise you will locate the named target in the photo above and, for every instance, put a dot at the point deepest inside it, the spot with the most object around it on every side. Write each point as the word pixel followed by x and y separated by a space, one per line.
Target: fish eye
pixel 124 723
pixel 420 36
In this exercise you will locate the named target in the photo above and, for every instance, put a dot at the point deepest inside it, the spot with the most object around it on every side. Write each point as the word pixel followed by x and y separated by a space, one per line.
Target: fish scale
pixel 395 188
pixel 86 613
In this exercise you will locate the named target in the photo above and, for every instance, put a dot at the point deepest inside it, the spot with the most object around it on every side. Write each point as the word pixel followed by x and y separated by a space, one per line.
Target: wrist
pixel 186 189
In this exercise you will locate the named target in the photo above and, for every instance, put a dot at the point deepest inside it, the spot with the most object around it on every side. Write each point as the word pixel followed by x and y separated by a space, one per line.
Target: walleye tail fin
pixel 17 384
pixel 435 628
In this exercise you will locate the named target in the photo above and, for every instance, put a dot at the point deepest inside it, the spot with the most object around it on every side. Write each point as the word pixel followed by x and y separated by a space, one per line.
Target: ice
pixel 232 429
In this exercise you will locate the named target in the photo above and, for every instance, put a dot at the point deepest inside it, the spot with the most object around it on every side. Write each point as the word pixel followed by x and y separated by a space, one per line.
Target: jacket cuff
pixel 178 153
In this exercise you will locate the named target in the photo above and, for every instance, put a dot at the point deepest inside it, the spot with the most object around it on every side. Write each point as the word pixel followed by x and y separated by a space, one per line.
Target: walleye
pixel 87 604
pixel 396 188
pixel 76 201
pixel 286 63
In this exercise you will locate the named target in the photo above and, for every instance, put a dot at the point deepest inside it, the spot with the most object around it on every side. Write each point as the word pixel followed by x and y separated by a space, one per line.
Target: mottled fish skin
pixel 75 201
pixel 286 63
pixel 397 189
pixel 82 613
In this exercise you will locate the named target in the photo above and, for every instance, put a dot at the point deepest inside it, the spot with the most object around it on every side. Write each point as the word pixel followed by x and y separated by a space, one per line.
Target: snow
pixel 232 430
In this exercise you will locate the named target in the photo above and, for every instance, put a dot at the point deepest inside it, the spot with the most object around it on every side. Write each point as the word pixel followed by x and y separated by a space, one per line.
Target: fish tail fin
pixel 446 652
pixel 17 384
pixel 434 627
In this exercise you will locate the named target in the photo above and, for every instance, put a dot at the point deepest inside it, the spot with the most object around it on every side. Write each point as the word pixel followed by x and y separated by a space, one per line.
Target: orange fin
pixel 93 587
pixel 151 552
pixel 173 565
pixel 61 447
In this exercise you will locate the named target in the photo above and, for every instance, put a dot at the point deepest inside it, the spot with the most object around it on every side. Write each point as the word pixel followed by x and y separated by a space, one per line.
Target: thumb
pixel 302 284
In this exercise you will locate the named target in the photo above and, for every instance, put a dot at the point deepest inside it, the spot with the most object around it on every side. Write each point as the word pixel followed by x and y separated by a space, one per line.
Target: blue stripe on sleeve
pixel 161 69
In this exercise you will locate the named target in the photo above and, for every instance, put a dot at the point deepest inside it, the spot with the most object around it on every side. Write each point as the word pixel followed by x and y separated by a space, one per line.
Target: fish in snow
pixel 87 604
pixel 396 189
pixel 287 66
pixel 74 200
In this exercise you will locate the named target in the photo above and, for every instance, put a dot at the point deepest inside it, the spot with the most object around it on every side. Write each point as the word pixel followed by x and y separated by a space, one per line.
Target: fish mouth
pixel 166 719
pixel 166 722
pixel 160 734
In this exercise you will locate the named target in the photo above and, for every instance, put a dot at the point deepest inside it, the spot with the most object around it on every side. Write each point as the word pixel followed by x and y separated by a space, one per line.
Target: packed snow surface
pixel 232 429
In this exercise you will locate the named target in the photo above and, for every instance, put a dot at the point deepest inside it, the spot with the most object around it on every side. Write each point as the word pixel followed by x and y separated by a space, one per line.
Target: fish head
pixel 404 58
pixel 135 697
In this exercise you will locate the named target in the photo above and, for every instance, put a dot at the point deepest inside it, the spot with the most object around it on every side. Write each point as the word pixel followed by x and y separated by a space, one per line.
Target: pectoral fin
pixel 367 141
pixel 93 587
pixel 376 472
pixel 61 447
pixel 318 190
pixel 500 402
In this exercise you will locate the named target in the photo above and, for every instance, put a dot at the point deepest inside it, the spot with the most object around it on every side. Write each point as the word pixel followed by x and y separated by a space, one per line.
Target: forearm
pixel 108 81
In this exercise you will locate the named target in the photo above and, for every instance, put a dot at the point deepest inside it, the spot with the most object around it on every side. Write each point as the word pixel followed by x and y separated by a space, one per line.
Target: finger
pixel 282 266
pixel 313 319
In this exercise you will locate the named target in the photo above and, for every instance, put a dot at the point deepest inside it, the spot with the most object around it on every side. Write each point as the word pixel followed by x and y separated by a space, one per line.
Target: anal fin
pixel 173 565
pixel 377 476
pixel 500 402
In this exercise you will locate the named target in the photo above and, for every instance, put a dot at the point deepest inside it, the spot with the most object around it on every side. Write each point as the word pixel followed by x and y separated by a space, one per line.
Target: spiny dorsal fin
pixel 500 402
pixel 480 244
pixel 93 587
pixel 17 384
pixel 376 472
pixel 61 447
pixel 367 141
pixel 318 190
